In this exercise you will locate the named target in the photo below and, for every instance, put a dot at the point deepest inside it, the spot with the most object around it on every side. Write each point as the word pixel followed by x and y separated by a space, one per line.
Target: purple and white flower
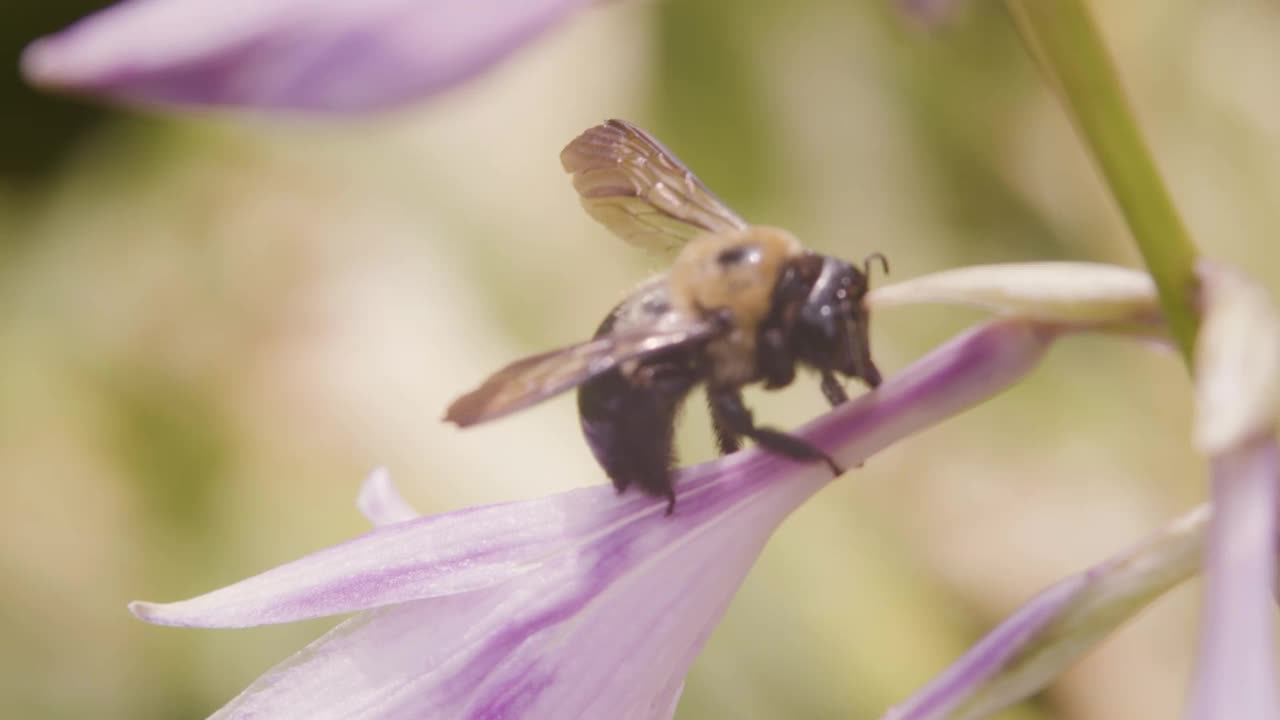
pixel 311 55
pixel 585 604
pixel 1233 538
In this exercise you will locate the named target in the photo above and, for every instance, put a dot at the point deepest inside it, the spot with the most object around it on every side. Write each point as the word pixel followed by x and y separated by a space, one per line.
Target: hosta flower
pixel 329 55
pixel 587 604
pixel 1234 538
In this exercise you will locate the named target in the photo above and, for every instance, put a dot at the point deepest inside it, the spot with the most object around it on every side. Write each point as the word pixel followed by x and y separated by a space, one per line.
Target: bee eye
pixel 734 255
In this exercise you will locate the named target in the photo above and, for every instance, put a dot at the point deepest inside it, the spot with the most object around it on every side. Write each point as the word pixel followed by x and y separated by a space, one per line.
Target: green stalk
pixel 1063 38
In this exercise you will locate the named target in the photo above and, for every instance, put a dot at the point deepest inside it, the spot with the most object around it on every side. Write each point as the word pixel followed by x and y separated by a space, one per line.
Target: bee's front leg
pixel 833 389
pixel 727 404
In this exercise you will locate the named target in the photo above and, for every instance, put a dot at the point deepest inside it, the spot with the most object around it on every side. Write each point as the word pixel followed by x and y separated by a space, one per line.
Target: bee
pixel 741 304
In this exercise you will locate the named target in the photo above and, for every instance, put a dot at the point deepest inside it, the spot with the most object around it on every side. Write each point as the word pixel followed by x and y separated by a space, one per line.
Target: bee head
pixel 831 329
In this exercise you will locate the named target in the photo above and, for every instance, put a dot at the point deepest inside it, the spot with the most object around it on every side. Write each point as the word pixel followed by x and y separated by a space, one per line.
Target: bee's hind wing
pixel 533 379
pixel 638 189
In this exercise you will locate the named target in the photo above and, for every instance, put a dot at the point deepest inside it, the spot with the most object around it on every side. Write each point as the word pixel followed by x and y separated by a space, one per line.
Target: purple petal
pixel 1236 668
pixel 1034 645
pixel 612 640
pixel 380 501
pixel 991 657
pixel 604 623
pixel 326 55
pixel 479 547
pixel 426 557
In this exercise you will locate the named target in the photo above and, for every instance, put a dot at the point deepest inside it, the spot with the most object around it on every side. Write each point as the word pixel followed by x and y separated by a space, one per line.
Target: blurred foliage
pixel 212 326
pixel 706 101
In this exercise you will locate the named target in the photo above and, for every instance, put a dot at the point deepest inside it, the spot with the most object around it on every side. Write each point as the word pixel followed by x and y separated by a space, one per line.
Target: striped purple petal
pixel 582 605
pixel 314 55
pixel 1034 645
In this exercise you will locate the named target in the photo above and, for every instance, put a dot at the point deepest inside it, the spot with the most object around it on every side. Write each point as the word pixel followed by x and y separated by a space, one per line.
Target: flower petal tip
pixel 380 501
pixel 149 612
pixel 315 56
pixel 1237 361
pixel 39 64
pixel 1074 294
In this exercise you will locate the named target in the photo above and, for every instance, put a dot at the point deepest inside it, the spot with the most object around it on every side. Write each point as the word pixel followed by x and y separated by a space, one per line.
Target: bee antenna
pixel 866 263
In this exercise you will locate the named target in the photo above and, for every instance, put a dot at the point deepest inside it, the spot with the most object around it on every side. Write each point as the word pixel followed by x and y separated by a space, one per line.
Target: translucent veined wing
pixel 638 189
pixel 534 379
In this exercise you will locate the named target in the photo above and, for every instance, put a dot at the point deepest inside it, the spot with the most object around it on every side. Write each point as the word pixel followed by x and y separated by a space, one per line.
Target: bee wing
pixel 534 379
pixel 638 189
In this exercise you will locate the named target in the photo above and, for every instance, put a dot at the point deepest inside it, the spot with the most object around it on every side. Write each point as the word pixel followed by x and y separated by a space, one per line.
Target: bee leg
pixel 727 440
pixel 833 389
pixel 728 405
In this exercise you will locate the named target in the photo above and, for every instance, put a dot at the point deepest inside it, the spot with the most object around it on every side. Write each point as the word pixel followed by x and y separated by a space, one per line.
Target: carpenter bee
pixel 741 304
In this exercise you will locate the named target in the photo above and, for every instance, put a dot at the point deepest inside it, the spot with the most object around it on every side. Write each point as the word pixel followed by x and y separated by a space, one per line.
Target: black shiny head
pixel 830 331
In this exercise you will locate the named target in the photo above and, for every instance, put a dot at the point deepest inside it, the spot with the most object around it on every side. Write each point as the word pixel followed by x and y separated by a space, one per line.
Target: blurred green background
pixel 212 326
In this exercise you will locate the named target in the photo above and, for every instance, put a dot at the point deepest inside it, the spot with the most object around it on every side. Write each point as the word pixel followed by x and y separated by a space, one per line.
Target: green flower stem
pixel 1065 41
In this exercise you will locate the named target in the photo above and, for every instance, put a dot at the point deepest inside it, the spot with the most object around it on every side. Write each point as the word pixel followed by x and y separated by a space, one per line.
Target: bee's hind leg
pixel 727 405
pixel 727 440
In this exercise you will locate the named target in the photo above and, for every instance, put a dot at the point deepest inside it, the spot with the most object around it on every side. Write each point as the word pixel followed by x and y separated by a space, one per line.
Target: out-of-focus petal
pixel 1237 361
pixel 1039 641
pixel 380 501
pixel 1089 295
pixel 1236 675
pixel 929 12
pixel 326 55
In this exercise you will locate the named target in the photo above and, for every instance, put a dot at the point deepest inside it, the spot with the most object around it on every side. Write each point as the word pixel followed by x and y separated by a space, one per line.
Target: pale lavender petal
pixel 474 548
pixel 613 641
pixel 327 55
pixel 438 555
pixel 380 501
pixel 609 624
pixel 991 657
pixel 1236 672
pixel 1034 645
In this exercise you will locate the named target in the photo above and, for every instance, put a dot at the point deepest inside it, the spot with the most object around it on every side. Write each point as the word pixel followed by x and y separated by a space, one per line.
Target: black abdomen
pixel 629 421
